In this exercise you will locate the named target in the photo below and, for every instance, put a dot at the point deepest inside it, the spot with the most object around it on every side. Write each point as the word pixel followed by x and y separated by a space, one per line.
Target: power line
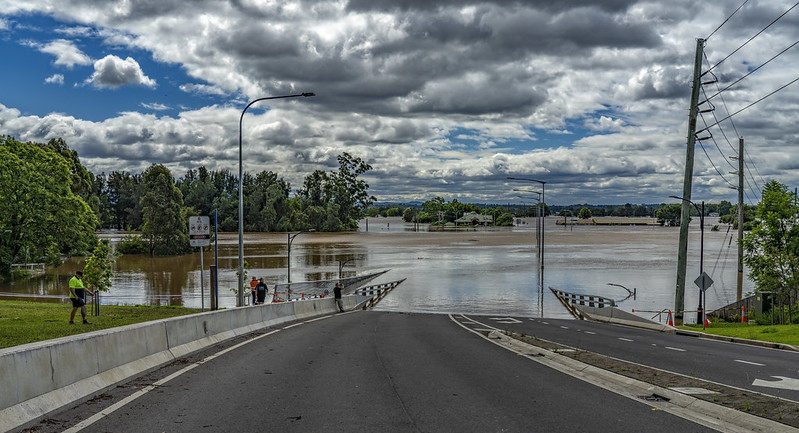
pixel 752 104
pixel 753 37
pixel 728 18
pixel 753 70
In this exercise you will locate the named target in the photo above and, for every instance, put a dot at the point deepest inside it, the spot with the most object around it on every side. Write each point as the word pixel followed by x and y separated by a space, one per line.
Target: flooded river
pixel 479 271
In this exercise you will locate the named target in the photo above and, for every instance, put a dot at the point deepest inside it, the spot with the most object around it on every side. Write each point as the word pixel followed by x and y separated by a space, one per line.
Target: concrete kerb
pixel 40 378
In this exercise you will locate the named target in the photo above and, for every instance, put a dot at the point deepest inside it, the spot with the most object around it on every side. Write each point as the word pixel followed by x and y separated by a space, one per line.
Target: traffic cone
pixel 670 320
pixel 743 314
pixel 707 322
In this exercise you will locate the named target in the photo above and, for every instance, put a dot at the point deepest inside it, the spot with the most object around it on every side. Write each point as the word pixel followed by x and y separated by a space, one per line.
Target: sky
pixel 442 98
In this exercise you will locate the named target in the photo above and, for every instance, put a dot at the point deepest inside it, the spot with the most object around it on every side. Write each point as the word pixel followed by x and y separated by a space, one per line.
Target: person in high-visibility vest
pixel 77 294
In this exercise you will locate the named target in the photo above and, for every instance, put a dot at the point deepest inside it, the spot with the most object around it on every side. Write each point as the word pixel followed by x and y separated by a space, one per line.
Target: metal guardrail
pixel 569 300
pixel 376 293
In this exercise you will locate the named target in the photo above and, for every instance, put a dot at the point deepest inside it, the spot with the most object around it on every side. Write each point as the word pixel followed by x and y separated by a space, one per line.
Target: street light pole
pixel 341 264
pixel 700 312
pixel 543 221
pixel 240 289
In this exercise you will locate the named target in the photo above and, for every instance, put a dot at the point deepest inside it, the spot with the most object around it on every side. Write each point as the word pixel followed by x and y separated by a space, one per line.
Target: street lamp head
pixel 307 94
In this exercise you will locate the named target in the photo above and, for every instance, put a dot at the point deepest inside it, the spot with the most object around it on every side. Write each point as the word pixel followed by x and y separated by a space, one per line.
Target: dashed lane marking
pixel 675 348
pixel 749 362
pixel 625 339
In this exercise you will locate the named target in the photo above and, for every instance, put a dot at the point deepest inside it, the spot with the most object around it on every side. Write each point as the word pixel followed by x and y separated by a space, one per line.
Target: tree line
pixel 51 205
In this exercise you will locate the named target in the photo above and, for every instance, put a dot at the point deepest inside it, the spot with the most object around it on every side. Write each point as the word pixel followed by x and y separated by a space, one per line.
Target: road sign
pixel 199 231
pixel 703 281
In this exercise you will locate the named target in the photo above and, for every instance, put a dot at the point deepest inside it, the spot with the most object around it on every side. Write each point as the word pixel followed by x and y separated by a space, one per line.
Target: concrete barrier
pixel 621 317
pixel 39 378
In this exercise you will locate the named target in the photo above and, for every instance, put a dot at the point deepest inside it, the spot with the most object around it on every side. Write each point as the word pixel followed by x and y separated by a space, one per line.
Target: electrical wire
pixel 728 18
pixel 753 37
pixel 752 104
pixel 753 70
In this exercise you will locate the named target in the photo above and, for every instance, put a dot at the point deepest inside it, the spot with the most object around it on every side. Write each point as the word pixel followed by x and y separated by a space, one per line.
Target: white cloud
pixel 156 106
pixel 65 52
pixel 112 71
pixel 55 79
pixel 592 96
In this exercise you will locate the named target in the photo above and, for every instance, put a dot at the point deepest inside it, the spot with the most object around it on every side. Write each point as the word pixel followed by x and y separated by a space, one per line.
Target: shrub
pixel 132 245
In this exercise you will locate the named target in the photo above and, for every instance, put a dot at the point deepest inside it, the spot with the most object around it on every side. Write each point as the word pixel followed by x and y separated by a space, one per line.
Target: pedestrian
pixel 254 283
pixel 77 294
pixel 261 289
pixel 337 295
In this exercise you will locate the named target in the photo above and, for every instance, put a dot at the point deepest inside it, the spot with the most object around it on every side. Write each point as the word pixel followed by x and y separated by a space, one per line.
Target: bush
pixel 132 245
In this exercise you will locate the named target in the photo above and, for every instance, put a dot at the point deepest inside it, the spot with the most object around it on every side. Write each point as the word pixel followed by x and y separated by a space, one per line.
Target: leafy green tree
pixel 349 192
pixel 165 225
pixel 771 248
pixel 124 191
pixel 584 213
pixel 40 216
pixel 669 214
pixel 99 267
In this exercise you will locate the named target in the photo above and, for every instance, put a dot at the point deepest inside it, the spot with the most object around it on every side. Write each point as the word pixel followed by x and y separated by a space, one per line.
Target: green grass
pixel 28 322
pixel 786 334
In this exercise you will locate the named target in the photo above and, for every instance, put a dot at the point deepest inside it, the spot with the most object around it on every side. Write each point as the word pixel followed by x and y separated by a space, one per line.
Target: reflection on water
pixel 481 271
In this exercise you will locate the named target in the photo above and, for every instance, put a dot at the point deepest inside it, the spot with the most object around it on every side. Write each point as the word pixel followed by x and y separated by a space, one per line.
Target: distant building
pixel 475 219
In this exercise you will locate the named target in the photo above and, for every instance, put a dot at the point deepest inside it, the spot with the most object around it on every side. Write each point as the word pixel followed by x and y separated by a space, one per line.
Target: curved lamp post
pixel 543 220
pixel 240 291
pixel 700 313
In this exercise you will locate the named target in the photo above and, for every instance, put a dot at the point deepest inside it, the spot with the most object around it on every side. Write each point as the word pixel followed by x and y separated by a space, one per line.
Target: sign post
pixel 200 236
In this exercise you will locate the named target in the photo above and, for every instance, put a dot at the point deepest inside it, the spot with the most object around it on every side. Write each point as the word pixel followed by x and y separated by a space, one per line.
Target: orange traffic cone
pixel 707 322
pixel 670 320
pixel 743 314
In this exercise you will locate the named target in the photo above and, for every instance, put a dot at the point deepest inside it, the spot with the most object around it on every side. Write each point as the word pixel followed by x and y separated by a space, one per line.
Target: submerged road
pixel 365 372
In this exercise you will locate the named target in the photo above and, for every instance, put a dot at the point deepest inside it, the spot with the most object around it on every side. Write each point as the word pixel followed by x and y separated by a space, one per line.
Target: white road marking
pixel 675 348
pixel 545 323
pixel 782 383
pixel 506 320
pixel 625 339
pixel 120 404
pixel 564 327
pixel 749 362
pixel 589 332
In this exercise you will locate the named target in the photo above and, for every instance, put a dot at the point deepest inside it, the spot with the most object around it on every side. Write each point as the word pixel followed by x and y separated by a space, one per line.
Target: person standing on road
pixel 261 289
pixel 337 295
pixel 77 294
pixel 254 291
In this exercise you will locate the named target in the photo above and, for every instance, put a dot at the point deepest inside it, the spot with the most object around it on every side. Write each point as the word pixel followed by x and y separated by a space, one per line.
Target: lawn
pixel 786 334
pixel 27 322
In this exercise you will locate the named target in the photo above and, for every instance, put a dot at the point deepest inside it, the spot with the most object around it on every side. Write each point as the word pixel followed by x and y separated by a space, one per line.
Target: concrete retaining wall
pixel 39 378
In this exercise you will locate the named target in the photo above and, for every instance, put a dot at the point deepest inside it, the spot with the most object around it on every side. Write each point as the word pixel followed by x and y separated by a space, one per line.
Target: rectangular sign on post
pixel 199 231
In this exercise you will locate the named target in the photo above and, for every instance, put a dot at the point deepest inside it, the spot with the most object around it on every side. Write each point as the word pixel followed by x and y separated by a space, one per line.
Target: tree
pixel 165 225
pixel 349 192
pixel 584 213
pixel 99 268
pixel 40 215
pixel 669 214
pixel 771 248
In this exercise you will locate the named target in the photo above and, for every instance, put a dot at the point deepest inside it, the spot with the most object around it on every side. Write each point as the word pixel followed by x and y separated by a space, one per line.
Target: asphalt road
pixel 768 371
pixel 366 372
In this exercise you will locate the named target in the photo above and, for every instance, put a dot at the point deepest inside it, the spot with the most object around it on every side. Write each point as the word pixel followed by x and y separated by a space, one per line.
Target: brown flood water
pixel 479 271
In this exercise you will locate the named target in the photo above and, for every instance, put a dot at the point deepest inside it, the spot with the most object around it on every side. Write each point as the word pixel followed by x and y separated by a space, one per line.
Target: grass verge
pixel 785 334
pixel 27 322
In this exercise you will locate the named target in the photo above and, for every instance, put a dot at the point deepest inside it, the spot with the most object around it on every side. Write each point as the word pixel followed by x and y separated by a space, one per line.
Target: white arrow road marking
pixel 507 320
pixel 782 383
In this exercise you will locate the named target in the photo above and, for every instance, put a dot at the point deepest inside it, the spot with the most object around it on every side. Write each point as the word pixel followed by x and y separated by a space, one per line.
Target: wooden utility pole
pixel 685 217
pixel 740 282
